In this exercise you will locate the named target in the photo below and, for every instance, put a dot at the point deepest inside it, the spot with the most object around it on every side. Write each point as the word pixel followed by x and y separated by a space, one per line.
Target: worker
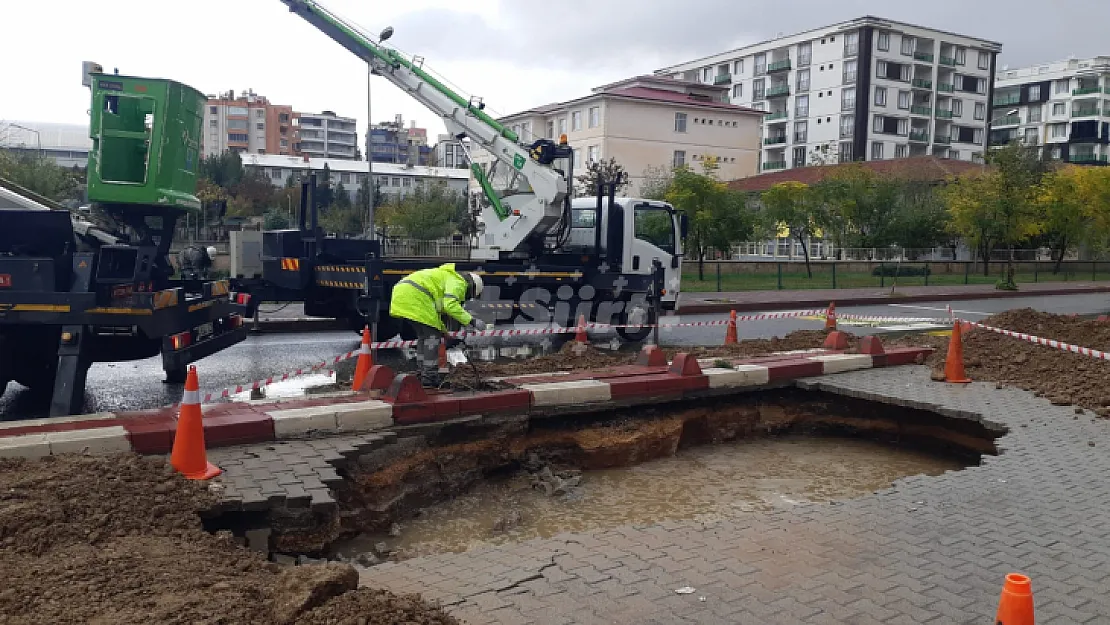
pixel 426 302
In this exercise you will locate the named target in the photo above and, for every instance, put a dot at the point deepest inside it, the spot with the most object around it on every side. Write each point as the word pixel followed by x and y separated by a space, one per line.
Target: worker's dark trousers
pixel 427 347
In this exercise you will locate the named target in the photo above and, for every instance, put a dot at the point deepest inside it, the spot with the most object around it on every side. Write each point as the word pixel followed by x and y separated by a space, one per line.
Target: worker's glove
pixel 477 324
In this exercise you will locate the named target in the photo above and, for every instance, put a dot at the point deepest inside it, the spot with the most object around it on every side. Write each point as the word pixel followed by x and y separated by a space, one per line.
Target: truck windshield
pixel 656 226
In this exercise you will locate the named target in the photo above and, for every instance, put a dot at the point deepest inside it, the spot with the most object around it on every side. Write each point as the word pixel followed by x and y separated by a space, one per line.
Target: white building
pixel 393 179
pixel 450 152
pixel 1064 106
pixel 67 144
pixel 328 135
pixel 865 89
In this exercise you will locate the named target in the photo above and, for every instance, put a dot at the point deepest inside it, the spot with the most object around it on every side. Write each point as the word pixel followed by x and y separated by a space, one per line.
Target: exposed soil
pixel 1062 377
pixel 118 539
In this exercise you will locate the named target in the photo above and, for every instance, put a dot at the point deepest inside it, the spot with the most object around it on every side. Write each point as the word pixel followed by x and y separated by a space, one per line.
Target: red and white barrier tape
pixel 1037 340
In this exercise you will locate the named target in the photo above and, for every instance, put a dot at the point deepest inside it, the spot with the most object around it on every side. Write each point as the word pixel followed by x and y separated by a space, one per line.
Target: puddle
pixel 697 483
pixel 295 387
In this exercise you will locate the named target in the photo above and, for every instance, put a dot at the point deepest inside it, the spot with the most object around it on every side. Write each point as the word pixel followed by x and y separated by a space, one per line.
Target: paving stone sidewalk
pixel 929 550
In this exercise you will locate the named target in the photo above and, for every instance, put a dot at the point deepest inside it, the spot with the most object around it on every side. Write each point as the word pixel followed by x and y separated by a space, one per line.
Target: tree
pixel 1017 172
pixel 1075 205
pixel 275 220
pixel 657 180
pixel 253 195
pixel 324 192
pixel 718 217
pixel 223 170
pixel 341 199
pixel 602 172
pixel 429 213
pixel 921 219
pixel 792 205
pixel 40 174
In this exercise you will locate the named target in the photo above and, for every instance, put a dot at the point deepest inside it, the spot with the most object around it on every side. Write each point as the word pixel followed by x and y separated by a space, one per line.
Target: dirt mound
pixel 117 539
pixel 375 607
pixel 1062 377
pixel 799 339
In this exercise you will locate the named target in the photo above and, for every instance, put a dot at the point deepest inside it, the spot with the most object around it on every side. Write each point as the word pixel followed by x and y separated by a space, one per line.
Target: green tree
pixel 428 212
pixel 657 181
pixel 1075 205
pixel 920 219
pixel 325 195
pixel 792 205
pixel 40 174
pixel 342 200
pixel 1017 173
pixel 275 220
pixel 718 218
pixel 602 172
pixel 223 170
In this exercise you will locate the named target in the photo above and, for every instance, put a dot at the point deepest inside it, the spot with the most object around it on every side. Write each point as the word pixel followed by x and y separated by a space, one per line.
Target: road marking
pixel 966 312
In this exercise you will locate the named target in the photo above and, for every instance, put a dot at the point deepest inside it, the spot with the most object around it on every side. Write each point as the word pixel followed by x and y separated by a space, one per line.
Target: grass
pixel 823 279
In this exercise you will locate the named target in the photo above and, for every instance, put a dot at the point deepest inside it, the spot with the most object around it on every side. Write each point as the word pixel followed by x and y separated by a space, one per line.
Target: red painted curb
pixel 796 369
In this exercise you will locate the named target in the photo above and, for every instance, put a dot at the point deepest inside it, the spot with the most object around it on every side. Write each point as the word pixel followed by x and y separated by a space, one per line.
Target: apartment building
pixel 393 142
pixel 327 135
pixel 1063 106
pixel 866 89
pixel 450 152
pixel 248 123
pixel 649 122
pixel 393 179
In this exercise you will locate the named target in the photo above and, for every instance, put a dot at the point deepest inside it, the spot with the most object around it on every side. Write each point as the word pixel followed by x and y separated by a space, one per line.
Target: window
pixel 526 130
pixel 758 89
pixel 551 129
pixel 846 152
pixel 680 122
pixel 284 143
pixel 1057 153
pixel 980 110
pixel 653 225
pixel 954 155
pixel 984 60
pixel 877 151
pixel 592 153
pixel 706 74
pixel 213 110
pixel 803 80
pixel 851 44
pixel 957 107
pixel 760 64
pixel 884 40
pixel 738 90
pixel 1034 113
pixel 799 157
pixel 961 56
pixel 901 151
pixel 1034 92
pixel 1031 136
pixel 260 113
pixel 847 126
pixel 805 54
pixel 880 96
pixel 801 106
pixel 904 100
pixel 396 181
pixel 583 218
pixel 236 137
pixel 214 123
pixel 849 71
pixel 848 99
pixel 738 67
pixel 562 125
pixel 237 124
pixel 275 173
pixel 978 136
pixel 908 44
pixel 1062 86
pixel 1059 109
pixel 576 120
pixel 1059 131
pixel 595 116
pixel 880 69
pixel 237 110
pixel 515 129
pixel 679 158
pixel 800 132
pixel 260 126
pixel 347 178
pixel 406 182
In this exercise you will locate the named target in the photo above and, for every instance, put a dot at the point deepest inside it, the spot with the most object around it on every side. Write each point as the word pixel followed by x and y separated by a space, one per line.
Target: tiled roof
pixel 921 168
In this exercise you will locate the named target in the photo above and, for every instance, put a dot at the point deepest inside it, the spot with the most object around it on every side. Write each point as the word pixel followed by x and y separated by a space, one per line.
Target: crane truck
pixel 544 255
pixel 76 291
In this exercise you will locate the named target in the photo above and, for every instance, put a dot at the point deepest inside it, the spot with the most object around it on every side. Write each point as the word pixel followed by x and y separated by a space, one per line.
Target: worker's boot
pixel 431 378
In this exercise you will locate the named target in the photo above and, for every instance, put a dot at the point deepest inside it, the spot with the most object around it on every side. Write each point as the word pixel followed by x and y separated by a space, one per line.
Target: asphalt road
pixel 137 385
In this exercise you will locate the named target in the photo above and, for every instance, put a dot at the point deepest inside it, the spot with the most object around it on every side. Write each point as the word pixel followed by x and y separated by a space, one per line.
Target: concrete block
pixel 25 423
pixel 364 416
pixel 570 392
pixel 839 363
pixel 26 446
pixel 92 441
pixel 297 421
pixel 741 375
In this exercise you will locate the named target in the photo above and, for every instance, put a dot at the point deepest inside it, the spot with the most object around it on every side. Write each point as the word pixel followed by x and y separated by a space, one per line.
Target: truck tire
pixel 637 316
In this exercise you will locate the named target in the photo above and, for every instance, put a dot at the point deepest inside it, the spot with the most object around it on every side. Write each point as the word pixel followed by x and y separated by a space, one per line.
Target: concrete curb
pixel 406 403
pixel 741 306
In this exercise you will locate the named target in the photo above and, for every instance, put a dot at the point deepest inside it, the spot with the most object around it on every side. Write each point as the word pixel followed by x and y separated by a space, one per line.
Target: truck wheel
pixel 641 318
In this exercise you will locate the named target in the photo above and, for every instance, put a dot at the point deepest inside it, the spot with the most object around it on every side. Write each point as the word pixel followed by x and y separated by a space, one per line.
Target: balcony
pixel 942 140
pixel 774 165
pixel 774 140
pixel 947 60
pixel 1008 100
pixel 920 136
pixel 776 92
pixel 778 66
pixel 1009 120
pixel 1087 159
pixel 722 79
pixel 777 115
pixel 943 114
pixel 923 56
pixel 1091 112
pixel 946 87
pixel 1085 90
pixel 919 83
pixel 921 110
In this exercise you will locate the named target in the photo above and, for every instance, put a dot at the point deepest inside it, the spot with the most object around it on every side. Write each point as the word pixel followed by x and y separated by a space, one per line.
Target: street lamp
pixel 386 33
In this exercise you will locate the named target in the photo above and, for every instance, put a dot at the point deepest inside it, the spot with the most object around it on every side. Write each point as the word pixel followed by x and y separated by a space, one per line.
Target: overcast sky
pixel 514 54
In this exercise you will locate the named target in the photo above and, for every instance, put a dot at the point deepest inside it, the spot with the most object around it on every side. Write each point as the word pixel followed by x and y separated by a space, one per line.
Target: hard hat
pixel 476 280
pixel 211 251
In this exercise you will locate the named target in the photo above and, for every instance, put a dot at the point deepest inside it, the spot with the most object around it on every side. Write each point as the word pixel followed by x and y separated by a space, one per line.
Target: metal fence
pixel 415 248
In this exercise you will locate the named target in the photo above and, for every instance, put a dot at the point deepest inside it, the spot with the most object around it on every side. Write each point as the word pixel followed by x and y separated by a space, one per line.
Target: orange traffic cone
pixel 443 368
pixel 188 456
pixel 954 363
pixel 580 335
pixel 830 317
pixel 1015 607
pixel 730 333
pixel 365 361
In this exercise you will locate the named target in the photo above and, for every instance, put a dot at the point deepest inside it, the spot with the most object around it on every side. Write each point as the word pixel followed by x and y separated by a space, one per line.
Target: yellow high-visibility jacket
pixel 426 294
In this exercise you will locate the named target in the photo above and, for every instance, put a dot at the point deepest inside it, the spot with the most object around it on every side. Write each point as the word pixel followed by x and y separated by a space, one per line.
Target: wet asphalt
pixel 139 384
